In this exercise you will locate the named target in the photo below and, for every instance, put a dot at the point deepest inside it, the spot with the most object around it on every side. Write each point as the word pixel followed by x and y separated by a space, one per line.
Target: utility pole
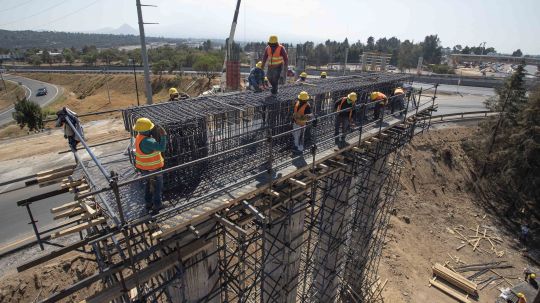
pixel 144 55
pixel 136 85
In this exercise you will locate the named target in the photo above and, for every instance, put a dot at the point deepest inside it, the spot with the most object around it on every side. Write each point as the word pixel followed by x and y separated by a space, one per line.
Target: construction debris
pixel 481 236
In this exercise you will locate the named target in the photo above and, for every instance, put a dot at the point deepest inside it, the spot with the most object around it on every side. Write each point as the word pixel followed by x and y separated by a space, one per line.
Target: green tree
pixel 159 67
pixel 28 113
pixel 35 60
pixel 370 43
pixel 207 64
pixel 68 56
pixel 89 58
pixel 517 53
pixel 46 57
pixel 432 50
pixel 511 96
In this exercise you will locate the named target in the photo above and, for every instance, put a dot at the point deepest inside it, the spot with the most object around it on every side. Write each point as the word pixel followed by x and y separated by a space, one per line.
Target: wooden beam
pixel 78 228
pixel 451 292
pixel 64 207
pixel 69 213
pixel 297 182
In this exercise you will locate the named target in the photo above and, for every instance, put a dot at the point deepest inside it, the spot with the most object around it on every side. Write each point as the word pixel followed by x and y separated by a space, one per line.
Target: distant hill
pixel 59 40
pixel 124 29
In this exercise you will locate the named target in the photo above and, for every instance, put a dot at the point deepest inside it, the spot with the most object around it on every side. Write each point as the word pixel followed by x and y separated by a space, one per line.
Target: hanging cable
pixel 16 6
pixel 36 14
pixel 69 14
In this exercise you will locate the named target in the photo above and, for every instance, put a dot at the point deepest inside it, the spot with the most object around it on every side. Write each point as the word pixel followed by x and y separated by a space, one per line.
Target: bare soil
pixel 437 197
pixel 10 95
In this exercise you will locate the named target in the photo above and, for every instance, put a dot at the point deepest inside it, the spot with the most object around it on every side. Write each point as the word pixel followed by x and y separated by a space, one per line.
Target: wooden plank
pixel 64 207
pixel 69 213
pixel 449 291
pixel 297 182
pixel 54 176
pixel 78 228
pixel 90 210
pixel 455 279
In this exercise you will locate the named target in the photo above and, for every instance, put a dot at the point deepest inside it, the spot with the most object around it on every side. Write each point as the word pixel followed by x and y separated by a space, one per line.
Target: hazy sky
pixel 505 25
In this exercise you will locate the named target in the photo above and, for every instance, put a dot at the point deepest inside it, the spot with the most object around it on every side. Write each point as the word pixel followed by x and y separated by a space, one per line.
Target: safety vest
pixel 151 161
pixel 398 91
pixel 274 59
pixel 299 116
pixel 380 96
pixel 343 100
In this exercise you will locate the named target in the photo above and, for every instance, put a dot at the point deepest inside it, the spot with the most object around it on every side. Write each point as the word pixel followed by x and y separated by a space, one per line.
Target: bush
pixel 441 69
pixel 28 113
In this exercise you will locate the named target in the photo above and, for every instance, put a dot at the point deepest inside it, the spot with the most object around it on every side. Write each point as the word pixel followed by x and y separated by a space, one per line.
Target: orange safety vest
pixel 343 100
pixel 274 59
pixel 398 91
pixel 299 116
pixel 151 161
pixel 381 96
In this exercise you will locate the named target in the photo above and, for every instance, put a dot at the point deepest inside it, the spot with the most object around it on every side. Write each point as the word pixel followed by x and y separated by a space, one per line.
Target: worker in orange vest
pixel 148 159
pixel 398 100
pixel 277 58
pixel 521 298
pixel 380 104
pixel 301 115
pixel 344 118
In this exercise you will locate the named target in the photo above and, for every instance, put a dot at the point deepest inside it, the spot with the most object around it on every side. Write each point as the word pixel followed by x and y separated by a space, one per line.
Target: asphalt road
pixel 454 99
pixel 31 86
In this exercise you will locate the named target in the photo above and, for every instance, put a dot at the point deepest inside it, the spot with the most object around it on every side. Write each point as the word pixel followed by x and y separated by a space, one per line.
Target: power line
pixel 16 6
pixel 69 14
pixel 36 14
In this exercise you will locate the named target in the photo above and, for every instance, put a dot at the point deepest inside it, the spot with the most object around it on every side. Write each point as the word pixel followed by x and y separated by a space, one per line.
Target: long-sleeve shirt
pixel 346 105
pixel 256 75
pixel 150 145
pixel 273 48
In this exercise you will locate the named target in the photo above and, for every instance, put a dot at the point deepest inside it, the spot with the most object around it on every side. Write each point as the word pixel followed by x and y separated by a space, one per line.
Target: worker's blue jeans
pixel 273 77
pixel 153 188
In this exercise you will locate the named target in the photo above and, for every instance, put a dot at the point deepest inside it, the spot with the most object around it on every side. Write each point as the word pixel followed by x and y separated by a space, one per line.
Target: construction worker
pixel 379 105
pixel 344 118
pixel 256 77
pixel 70 134
pixel 148 159
pixel 301 114
pixel 323 75
pixel 277 58
pixel 521 298
pixel 303 77
pixel 398 100
pixel 173 94
pixel 530 277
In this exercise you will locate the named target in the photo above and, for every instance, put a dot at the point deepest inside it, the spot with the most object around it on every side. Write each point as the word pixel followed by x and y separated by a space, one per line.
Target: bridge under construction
pixel 244 220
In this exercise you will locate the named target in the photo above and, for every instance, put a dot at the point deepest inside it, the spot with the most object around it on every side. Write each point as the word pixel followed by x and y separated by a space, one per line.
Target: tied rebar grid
pixel 239 125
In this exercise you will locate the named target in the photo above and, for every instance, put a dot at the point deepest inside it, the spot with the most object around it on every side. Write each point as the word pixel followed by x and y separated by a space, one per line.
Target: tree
pixel 68 56
pixel 432 50
pixel 28 113
pixel 159 67
pixel 46 57
pixel 517 53
pixel 370 43
pixel 457 49
pixel 35 60
pixel 89 58
pixel 511 97
pixel 207 45
pixel 207 64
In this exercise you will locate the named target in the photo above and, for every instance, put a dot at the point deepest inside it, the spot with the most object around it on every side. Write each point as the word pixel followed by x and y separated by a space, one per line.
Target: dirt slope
pixel 436 199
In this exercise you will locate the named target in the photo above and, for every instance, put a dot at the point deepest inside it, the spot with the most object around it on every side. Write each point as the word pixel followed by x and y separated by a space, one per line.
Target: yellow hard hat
pixel 303 96
pixel 173 90
pixel 323 73
pixel 533 276
pixel 303 75
pixel 352 96
pixel 520 295
pixel 265 78
pixel 273 39
pixel 373 95
pixel 143 125
pixel 259 64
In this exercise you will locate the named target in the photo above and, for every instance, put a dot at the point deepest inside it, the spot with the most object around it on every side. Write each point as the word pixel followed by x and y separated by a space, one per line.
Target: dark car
pixel 41 92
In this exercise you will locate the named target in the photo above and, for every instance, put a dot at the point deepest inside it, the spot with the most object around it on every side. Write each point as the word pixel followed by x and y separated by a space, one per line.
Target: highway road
pixel 31 86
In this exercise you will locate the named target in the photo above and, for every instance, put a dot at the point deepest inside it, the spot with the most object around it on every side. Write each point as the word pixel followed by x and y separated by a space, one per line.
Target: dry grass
pixel 11 95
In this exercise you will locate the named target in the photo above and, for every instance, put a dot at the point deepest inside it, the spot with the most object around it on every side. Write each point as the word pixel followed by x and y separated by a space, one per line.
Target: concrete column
pixel 332 220
pixel 282 250
pixel 199 279
pixel 364 62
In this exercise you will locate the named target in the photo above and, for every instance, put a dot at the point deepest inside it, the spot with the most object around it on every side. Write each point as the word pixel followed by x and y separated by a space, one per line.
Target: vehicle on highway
pixel 41 92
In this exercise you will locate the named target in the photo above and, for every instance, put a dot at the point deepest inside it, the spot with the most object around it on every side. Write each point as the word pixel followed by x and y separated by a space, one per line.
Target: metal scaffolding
pixel 246 221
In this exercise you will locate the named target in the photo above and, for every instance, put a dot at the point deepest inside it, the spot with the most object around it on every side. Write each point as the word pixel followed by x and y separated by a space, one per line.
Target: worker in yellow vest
pixel 345 117
pixel 276 56
pixel 301 115
pixel 148 159
pixel 382 100
pixel 398 100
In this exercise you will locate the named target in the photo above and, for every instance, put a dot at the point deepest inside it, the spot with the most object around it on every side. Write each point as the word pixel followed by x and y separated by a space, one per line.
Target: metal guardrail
pixel 462 116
